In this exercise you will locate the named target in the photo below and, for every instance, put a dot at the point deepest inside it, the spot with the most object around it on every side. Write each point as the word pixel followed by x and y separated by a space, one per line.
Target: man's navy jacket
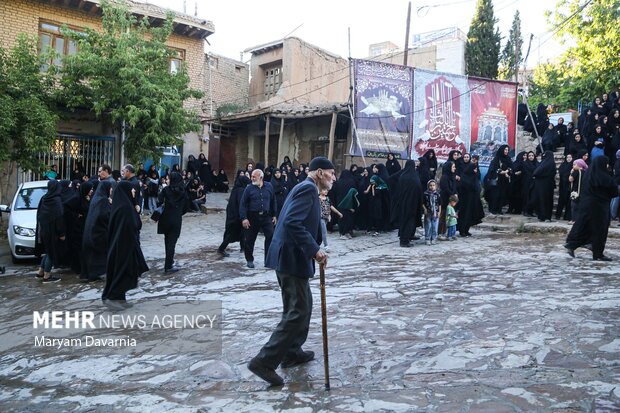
pixel 297 236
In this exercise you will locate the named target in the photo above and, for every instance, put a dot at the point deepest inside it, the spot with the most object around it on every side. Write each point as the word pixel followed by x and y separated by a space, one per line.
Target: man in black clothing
pixel 257 212
pixel 129 174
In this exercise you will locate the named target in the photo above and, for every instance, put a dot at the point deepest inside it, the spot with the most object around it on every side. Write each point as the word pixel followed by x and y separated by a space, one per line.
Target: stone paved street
pixel 500 322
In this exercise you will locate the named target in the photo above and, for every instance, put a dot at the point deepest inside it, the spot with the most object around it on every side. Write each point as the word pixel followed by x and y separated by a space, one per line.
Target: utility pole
pixel 407 35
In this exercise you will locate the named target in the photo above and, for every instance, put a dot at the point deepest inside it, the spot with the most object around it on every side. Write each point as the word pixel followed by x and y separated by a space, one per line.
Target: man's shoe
pixel 171 270
pixel 50 279
pixel 301 358
pixel 428 243
pixel 406 244
pixel 265 373
pixel 602 258
pixel 223 253
pixel 250 264
pixel 114 305
pixel 570 251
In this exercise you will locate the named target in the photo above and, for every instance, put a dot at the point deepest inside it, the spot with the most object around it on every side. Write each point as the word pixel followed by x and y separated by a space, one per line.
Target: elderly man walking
pixel 294 248
pixel 257 212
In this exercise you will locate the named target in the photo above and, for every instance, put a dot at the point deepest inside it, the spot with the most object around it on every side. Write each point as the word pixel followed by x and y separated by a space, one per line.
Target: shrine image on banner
pixel 493 117
pixel 383 102
pixel 442 115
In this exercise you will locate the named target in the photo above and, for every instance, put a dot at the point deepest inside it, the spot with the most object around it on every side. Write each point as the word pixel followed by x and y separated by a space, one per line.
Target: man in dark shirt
pixel 129 174
pixel 257 212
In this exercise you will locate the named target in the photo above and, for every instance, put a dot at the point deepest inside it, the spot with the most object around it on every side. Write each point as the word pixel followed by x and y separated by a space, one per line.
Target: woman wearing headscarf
pixel 285 162
pixel 527 185
pixel 193 165
pixel 576 177
pixel 205 173
pixel 470 206
pixel 70 203
pixel 278 182
pixel 341 190
pixel 378 199
pixel 424 171
pixel 50 231
pixel 615 203
pixel 542 119
pixel 432 162
pixel 81 206
pixel 564 189
pixel 392 164
pixel 577 145
pixel 550 138
pixel 592 223
pixel 515 197
pixel 407 204
pixel 599 139
pixel 447 188
pixel 544 186
pixel 175 204
pixel 125 259
pixel 497 180
pixel 362 214
pixel 95 240
pixel 233 231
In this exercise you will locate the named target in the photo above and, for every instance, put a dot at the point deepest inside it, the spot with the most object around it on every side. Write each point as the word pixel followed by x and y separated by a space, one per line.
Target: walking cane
pixel 324 320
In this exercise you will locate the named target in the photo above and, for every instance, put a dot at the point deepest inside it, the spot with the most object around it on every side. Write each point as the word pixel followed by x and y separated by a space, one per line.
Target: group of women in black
pixel 92 227
pixel 383 197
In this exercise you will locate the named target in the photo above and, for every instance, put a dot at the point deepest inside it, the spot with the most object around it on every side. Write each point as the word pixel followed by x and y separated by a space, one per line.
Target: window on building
pixel 213 61
pixel 273 80
pixel 177 60
pixel 50 38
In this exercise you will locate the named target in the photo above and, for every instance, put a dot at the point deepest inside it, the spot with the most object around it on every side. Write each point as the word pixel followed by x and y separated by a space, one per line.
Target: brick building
pixel 297 97
pixel 82 137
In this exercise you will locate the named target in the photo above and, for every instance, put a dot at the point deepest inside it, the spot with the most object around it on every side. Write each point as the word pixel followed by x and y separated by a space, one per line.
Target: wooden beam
pixel 280 140
pixel 332 136
pixel 267 142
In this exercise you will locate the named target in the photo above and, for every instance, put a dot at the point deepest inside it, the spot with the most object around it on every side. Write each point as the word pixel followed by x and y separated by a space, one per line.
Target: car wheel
pixel 14 260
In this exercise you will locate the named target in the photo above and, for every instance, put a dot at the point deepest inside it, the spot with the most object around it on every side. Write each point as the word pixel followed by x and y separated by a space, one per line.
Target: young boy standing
pixel 451 218
pixel 432 211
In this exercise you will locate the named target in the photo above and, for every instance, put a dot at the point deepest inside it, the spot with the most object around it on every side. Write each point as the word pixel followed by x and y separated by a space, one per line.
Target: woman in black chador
pixel 447 188
pixel 232 231
pixel 205 173
pixel 577 145
pixel 80 208
pixel 407 204
pixel 95 241
pixel 515 202
pixel 592 222
pixel 564 189
pixel 432 163
pixel 125 259
pixel 50 231
pixel 341 189
pixel 392 164
pixel 280 189
pixel 544 185
pixel 470 206
pixel 527 185
pixel 176 203
pixel 497 180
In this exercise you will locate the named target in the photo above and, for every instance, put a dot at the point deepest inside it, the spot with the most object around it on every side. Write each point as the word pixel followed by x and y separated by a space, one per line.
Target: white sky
pixel 241 24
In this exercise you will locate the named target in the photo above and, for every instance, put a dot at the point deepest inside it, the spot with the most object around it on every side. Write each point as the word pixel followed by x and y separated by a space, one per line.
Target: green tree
pixel 512 55
pixel 28 117
pixel 483 43
pixel 123 74
pixel 590 66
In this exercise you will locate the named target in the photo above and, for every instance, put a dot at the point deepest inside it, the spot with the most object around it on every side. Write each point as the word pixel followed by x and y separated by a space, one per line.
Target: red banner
pixel 493 117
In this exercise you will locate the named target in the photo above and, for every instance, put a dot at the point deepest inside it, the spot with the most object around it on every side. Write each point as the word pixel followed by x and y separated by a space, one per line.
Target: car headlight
pixel 24 232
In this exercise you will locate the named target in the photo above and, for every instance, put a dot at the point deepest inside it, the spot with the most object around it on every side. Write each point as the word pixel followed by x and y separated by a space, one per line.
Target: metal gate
pixel 68 151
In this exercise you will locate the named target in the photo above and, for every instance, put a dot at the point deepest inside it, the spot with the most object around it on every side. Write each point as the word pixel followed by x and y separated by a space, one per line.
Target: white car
pixel 23 219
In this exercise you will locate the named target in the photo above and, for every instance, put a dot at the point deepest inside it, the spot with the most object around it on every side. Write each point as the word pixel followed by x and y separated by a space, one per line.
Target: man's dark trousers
pixel 257 222
pixel 292 331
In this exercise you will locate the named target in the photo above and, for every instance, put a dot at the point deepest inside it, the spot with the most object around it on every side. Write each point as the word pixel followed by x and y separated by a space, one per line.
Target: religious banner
pixel 493 117
pixel 383 101
pixel 441 116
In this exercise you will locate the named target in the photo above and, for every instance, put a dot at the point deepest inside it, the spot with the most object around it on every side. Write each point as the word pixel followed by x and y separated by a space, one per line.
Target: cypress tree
pixel 512 49
pixel 483 43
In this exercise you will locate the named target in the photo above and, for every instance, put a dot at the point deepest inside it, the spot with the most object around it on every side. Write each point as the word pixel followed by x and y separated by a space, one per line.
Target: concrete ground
pixel 500 322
